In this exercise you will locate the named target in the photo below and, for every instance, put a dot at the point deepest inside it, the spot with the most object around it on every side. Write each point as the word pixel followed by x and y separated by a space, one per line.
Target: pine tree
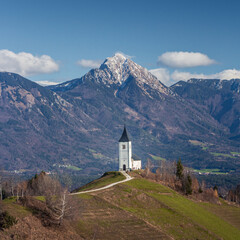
pixel 179 172
pixel 188 185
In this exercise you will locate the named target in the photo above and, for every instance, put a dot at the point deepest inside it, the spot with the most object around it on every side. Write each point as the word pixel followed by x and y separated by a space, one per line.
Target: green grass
pixel 98 155
pixel 91 150
pixel 197 143
pixel 16 210
pixel 143 184
pixel 203 145
pixel 157 158
pixel 40 198
pixel 235 153
pixel 222 155
pixel 199 215
pixel 181 217
pixel 210 170
pixel 107 178
pixel 74 168
pixel 230 213
pixel 84 196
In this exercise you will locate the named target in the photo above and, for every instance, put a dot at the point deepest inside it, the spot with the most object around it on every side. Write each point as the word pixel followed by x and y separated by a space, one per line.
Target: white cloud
pixel 26 64
pixel 185 59
pixel 161 74
pixel 89 63
pixel 125 55
pixel 227 74
pixel 46 83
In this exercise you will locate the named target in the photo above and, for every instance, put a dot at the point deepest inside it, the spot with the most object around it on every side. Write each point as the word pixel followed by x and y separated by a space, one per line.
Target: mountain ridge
pixel 83 118
pixel 219 97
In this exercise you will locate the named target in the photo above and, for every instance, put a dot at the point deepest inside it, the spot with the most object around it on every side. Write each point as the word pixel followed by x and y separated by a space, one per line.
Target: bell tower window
pixel 123 146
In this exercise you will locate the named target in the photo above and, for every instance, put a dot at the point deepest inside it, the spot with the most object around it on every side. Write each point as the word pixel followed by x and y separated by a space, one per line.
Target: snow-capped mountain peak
pixel 115 72
pixel 117 69
pixel 117 66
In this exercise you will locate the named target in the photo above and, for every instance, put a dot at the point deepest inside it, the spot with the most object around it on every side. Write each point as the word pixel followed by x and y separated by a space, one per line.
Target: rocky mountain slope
pixel 76 125
pixel 220 98
pixel 160 121
pixel 38 127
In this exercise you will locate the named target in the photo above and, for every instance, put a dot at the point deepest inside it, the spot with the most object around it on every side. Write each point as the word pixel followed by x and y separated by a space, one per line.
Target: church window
pixel 123 146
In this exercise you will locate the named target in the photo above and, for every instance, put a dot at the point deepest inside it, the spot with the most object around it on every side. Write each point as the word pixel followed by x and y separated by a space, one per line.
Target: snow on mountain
pixel 116 70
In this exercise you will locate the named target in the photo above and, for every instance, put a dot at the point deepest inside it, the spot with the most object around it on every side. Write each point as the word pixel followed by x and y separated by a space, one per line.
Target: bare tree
pixel 43 185
pixel 166 172
pixel 62 207
pixel 148 167
pixel 59 205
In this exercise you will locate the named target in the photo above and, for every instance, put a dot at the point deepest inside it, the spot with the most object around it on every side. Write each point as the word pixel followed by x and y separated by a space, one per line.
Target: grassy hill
pixel 141 209
pixel 106 179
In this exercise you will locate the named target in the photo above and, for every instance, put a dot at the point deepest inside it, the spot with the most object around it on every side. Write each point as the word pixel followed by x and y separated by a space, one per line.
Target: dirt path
pixel 128 178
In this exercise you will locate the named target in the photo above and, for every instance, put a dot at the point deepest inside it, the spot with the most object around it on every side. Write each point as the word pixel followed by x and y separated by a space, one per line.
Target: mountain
pixel 220 98
pixel 76 125
pixel 138 96
pixel 161 122
pixel 38 128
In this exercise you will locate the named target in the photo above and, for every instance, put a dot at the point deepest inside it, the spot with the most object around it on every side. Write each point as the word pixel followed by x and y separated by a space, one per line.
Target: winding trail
pixel 128 178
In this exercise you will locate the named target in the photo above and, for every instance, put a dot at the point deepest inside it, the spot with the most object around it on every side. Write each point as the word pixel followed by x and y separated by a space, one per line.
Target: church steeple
pixel 124 137
pixel 125 152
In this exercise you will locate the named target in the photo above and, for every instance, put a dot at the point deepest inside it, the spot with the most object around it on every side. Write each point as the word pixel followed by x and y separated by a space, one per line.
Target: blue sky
pixel 205 33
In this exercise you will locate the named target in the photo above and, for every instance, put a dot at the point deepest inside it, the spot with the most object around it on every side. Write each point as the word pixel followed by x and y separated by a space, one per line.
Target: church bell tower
pixel 125 152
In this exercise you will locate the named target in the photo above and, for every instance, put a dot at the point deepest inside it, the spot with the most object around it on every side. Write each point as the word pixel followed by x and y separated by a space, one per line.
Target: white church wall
pixel 137 164
pixel 125 155
pixel 130 154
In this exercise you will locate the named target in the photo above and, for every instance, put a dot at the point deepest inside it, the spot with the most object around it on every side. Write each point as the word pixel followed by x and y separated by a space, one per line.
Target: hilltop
pixel 137 209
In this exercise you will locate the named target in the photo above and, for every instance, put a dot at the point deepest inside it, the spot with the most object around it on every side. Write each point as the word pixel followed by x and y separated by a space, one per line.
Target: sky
pixel 55 41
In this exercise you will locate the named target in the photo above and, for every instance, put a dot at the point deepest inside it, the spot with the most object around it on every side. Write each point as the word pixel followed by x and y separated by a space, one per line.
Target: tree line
pixel 49 200
pixel 179 178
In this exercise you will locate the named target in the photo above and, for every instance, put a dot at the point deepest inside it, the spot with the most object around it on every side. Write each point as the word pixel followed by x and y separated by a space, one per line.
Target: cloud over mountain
pixel 161 74
pixel 184 59
pixel 46 83
pixel 26 64
pixel 87 63
pixel 227 74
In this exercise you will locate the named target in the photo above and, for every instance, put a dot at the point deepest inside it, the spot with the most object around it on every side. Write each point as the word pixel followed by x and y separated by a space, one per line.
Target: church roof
pixel 124 137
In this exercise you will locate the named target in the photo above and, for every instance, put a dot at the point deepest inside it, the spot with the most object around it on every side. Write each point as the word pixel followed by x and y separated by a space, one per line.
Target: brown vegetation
pixel 175 176
pixel 234 195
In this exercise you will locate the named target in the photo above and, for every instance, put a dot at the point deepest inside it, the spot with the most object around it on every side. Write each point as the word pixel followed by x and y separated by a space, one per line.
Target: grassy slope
pixel 106 179
pixel 178 210
pixel 171 213
pixel 141 209
pixel 10 205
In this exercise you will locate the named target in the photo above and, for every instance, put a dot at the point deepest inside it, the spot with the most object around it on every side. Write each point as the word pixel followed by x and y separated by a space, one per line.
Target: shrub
pixel 6 220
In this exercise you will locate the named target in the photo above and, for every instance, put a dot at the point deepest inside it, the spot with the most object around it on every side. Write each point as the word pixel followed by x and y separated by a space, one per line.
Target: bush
pixel 6 220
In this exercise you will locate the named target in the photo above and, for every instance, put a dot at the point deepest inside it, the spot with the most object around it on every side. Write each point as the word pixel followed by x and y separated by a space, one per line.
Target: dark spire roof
pixel 124 137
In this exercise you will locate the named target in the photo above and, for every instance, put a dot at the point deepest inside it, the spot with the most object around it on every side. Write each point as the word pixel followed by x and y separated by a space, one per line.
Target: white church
pixel 126 161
